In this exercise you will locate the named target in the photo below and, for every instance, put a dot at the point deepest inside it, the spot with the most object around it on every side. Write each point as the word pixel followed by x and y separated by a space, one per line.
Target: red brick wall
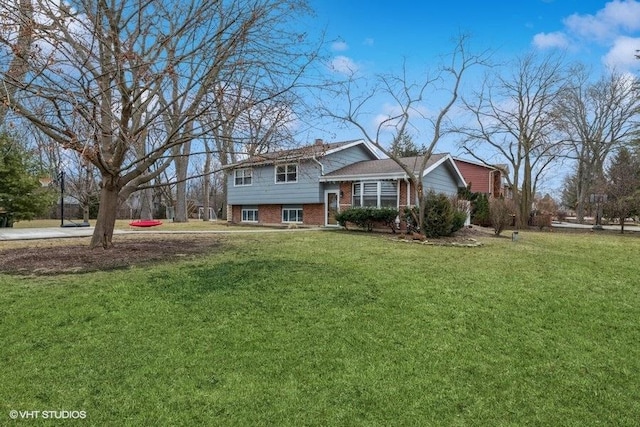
pixel 270 214
pixel 345 195
pixel 313 214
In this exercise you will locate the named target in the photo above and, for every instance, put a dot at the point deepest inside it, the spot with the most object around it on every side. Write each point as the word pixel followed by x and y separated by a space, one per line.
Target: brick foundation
pixel 312 214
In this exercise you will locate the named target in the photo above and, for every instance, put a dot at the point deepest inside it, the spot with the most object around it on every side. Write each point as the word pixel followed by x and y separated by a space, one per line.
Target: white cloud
pixel 339 46
pixel 551 40
pixel 613 28
pixel 617 16
pixel 344 65
pixel 621 55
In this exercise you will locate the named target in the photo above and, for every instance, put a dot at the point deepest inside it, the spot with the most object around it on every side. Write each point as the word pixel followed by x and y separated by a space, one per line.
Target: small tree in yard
pixel 623 187
pixel 438 216
pixel 441 218
pixel 21 195
pixel 500 214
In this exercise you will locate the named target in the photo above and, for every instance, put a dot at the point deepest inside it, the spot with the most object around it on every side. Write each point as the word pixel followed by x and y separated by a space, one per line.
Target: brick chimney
pixel 319 141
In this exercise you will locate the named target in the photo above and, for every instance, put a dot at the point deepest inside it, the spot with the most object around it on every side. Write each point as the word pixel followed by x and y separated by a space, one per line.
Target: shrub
pixel 460 207
pixel 480 214
pixel 540 220
pixel 500 213
pixel 442 217
pixel 366 218
pixel 459 218
pixel 438 215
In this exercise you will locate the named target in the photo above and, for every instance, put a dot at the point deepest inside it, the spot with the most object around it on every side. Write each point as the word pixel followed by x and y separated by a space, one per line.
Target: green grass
pixel 326 328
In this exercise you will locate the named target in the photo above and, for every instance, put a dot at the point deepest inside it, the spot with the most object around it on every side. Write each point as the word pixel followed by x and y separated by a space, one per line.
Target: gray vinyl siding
pixel 264 190
pixel 308 189
pixel 346 157
pixel 441 180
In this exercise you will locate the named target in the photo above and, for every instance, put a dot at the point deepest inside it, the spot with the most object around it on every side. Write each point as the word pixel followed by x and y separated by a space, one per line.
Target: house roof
pixel 384 168
pixel 319 149
pixel 390 169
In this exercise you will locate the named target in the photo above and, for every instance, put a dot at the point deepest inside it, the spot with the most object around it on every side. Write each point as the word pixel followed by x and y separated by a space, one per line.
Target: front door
pixel 331 207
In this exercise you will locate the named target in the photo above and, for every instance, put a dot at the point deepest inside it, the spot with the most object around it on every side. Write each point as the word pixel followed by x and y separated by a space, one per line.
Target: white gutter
pixel 366 177
pixel 318 162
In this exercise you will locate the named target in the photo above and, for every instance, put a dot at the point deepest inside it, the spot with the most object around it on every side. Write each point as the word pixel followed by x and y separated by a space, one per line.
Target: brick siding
pixel 312 214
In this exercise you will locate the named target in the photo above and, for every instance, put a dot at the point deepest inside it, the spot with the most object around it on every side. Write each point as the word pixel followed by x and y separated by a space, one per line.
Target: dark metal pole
pixel 61 180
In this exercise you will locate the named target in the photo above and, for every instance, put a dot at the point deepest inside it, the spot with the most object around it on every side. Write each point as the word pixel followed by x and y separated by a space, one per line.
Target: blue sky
pixel 375 37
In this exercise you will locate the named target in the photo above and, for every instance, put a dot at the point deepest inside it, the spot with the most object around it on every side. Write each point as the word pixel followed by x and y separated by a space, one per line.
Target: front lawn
pixel 334 328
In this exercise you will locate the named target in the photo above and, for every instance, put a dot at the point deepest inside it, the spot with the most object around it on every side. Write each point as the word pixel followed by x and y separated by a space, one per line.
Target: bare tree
pixel 622 186
pixel 239 127
pixel 407 99
pixel 595 119
pixel 17 34
pixel 513 119
pixel 114 66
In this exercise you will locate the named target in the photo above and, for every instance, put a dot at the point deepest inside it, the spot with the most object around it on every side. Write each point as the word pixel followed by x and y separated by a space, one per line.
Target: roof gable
pixel 390 169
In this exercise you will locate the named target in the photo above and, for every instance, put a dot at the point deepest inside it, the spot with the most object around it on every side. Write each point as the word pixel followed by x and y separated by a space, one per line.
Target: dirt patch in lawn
pixel 74 255
pixel 467 236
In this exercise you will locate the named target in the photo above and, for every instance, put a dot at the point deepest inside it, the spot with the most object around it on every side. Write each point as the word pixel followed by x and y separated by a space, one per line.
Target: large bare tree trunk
pixel 146 204
pixel 526 195
pixel 103 232
pixel 19 65
pixel 206 187
pixel 182 165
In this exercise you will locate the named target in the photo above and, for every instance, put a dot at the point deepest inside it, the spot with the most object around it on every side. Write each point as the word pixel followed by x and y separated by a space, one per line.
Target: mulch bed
pixel 78 258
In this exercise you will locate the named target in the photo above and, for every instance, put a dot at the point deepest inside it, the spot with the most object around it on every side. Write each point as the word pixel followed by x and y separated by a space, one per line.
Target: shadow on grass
pixel 267 277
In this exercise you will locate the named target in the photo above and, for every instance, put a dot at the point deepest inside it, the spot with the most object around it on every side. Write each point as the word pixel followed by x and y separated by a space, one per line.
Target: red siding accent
pixel 483 179
pixel 475 175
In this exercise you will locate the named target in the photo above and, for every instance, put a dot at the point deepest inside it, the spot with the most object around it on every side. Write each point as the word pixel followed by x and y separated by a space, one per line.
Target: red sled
pixel 145 223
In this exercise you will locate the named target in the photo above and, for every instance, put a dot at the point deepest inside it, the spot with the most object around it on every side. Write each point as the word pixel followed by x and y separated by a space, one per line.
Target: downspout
pixel 321 165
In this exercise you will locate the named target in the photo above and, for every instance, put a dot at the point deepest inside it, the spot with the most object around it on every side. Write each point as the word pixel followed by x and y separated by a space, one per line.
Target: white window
pixel 291 214
pixel 377 194
pixel 370 194
pixel 388 194
pixel 249 215
pixel 243 176
pixel 287 173
pixel 356 200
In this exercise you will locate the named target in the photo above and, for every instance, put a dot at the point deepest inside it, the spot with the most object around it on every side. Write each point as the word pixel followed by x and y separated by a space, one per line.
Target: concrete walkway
pixel 627 227
pixel 66 232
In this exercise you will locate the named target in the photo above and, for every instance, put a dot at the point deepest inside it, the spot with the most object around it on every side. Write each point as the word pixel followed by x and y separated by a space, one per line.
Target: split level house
pixel 309 185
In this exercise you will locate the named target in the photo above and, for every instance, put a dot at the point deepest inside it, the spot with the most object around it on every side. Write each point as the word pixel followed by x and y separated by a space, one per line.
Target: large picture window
pixel 377 194
pixel 286 173
pixel 243 176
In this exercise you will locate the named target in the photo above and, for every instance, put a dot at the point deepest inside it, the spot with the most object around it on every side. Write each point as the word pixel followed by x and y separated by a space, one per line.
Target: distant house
pixel 309 185
pixel 483 178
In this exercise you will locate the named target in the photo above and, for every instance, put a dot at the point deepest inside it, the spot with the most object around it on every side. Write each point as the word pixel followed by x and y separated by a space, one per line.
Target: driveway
pixel 64 232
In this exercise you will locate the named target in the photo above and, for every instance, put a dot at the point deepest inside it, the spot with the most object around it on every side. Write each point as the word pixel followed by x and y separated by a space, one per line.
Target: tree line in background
pixel 143 105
